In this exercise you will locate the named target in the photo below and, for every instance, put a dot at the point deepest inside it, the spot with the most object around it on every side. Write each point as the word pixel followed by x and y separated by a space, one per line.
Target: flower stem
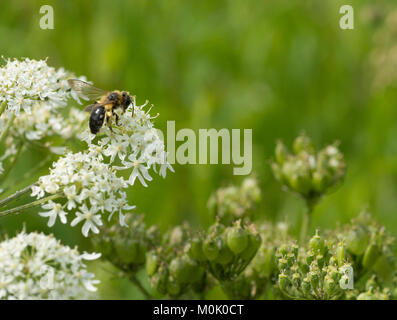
pixel 306 219
pixel 2 107
pixel 33 204
pixel 16 195
pixel 12 163
pixel 3 134
pixel 135 280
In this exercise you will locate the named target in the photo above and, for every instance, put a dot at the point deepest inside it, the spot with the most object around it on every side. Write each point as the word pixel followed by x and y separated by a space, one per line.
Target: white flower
pixel 91 220
pixel 135 142
pixel 37 266
pixel 90 187
pixel 55 210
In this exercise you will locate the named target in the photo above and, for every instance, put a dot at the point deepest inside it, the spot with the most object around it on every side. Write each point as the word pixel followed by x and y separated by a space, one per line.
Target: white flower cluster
pixel 86 185
pixel 25 82
pixel 42 92
pixel 88 182
pixel 135 143
pixel 37 266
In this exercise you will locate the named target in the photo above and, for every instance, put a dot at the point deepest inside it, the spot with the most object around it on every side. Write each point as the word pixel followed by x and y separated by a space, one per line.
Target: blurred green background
pixel 278 67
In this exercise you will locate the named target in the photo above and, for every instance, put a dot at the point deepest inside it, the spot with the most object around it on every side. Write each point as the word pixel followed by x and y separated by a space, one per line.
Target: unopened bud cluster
pixel 232 203
pixel 126 247
pixel 252 282
pixel 226 251
pixel 308 172
pixel 315 272
pixel 171 270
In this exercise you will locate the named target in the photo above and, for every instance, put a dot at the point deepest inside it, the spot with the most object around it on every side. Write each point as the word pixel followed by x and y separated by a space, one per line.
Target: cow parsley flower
pixel 135 143
pixel 24 82
pixel 37 266
pixel 85 185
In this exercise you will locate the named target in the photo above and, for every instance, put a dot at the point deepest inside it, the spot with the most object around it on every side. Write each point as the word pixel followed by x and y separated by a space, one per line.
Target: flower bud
pixel 237 239
pixel 303 143
pixel 254 242
pixel 357 240
pixel 210 249
pixel 126 250
pixel 318 181
pixel 282 281
pixel 371 254
pixel 173 287
pixel 263 262
pixel 340 253
pixel 196 250
pixel 281 152
pixel 225 255
pixel 317 244
pixel 152 262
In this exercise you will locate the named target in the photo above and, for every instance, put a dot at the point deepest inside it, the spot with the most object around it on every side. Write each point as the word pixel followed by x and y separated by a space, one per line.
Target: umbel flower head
pixel 89 181
pixel 86 186
pixel 135 144
pixel 37 266
pixel 25 82
pixel 308 172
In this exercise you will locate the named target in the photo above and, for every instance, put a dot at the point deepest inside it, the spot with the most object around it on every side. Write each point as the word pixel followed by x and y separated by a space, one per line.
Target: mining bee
pixel 106 102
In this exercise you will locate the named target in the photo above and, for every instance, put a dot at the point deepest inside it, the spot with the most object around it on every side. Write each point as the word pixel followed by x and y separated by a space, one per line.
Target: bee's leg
pixel 117 118
pixel 109 120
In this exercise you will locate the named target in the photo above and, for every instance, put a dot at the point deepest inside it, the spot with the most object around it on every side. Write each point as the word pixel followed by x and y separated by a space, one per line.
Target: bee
pixel 106 102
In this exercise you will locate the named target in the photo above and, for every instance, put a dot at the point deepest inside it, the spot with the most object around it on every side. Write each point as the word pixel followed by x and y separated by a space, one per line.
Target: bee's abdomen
pixel 96 119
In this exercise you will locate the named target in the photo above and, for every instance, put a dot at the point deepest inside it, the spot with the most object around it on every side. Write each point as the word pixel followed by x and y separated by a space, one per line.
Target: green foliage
pixel 273 66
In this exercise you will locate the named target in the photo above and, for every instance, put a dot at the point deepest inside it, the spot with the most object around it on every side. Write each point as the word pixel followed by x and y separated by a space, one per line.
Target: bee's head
pixel 126 99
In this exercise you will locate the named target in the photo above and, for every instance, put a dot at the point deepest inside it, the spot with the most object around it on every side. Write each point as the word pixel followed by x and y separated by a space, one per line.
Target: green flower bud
pixel 237 239
pixel 263 262
pixel 173 287
pixel 303 143
pixel 318 181
pixel 283 249
pixel 317 244
pixel 314 280
pixel 282 281
pixel 182 269
pixel 141 250
pixel 306 287
pixel 159 281
pixel 330 285
pixel 282 263
pixel 357 241
pixel 300 183
pixel 152 262
pixel 254 242
pixel 281 152
pixel 210 249
pixel 225 255
pixel 126 250
pixel 277 172
pixel 196 250
pixel 340 253
pixel 371 254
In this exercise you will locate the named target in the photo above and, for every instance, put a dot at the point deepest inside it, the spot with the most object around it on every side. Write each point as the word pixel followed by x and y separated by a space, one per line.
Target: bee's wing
pixel 85 90
pixel 93 106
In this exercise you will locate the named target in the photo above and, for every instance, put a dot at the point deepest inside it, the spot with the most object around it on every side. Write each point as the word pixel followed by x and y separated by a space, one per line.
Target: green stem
pixel 306 219
pixel 3 135
pixel 33 204
pixel 135 280
pixel 2 107
pixel 16 195
pixel 12 163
